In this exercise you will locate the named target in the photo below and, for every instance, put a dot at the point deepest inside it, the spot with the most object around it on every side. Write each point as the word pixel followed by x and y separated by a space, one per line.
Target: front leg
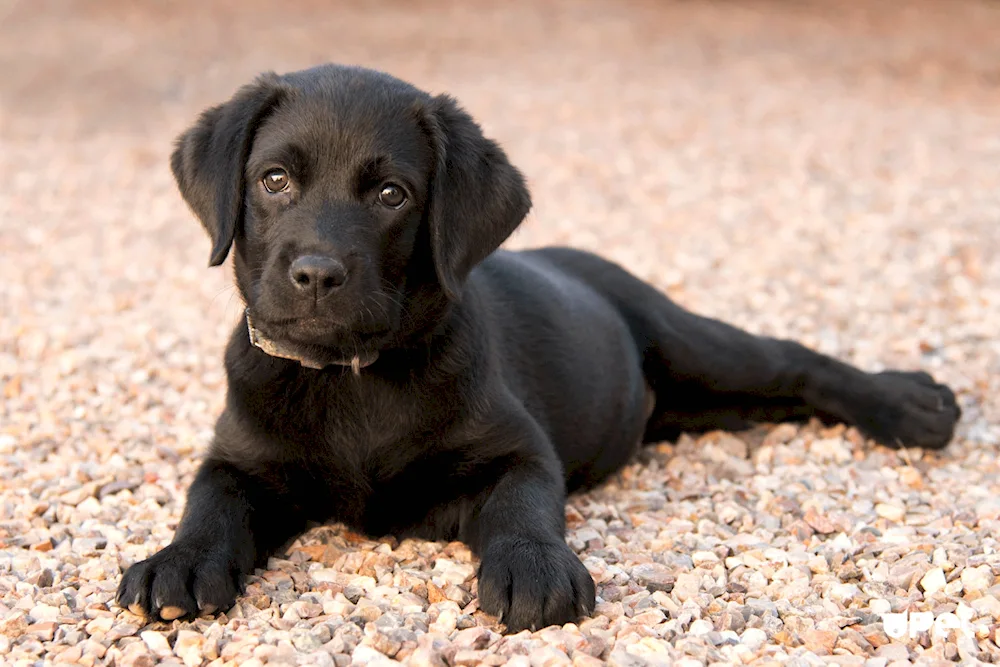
pixel 528 575
pixel 232 519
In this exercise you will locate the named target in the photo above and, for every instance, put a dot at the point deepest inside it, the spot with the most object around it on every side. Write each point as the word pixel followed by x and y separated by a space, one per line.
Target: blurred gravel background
pixel 823 171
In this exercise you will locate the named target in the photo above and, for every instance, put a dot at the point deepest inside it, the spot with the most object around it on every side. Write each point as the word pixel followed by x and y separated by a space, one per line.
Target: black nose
pixel 317 274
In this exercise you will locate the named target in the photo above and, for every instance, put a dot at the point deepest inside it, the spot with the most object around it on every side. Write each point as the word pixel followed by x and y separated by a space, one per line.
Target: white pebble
pixel 753 638
pixel 156 642
pixel 977 578
pixel 890 512
pixel 933 581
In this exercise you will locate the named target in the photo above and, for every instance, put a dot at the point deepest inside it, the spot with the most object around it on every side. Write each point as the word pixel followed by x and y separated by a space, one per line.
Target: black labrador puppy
pixel 398 373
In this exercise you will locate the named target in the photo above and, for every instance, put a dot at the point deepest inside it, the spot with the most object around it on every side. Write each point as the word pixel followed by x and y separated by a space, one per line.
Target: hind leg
pixel 708 374
pixel 720 412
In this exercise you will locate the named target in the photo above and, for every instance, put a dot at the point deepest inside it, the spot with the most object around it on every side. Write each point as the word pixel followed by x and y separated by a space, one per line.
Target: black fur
pixel 494 382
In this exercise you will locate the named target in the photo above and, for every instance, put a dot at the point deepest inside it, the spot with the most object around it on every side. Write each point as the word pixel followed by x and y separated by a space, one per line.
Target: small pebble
pixel 890 512
pixel 753 638
pixel 933 581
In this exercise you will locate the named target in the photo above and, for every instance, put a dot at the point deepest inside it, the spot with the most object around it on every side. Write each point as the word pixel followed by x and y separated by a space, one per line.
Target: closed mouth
pixel 309 321
pixel 307 353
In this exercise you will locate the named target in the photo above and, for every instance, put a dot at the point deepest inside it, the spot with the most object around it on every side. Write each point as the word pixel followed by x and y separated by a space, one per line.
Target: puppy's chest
pixel 417 480
pixel 366 434
pixel 385 460
pixel 365 424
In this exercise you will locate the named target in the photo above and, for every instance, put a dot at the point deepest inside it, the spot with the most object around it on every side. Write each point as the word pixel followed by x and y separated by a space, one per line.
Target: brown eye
pixel 275 181
pixel 392 196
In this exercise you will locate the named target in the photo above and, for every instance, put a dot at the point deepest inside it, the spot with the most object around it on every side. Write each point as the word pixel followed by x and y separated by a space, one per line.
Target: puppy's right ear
pixel 209 160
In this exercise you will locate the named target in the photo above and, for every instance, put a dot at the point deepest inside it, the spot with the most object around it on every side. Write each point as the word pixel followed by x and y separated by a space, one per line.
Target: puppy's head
pixel 355 202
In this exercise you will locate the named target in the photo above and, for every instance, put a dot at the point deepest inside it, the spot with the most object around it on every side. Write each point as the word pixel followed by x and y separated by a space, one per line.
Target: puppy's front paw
pixel 531 585
pixel 910 410
pixel 180 582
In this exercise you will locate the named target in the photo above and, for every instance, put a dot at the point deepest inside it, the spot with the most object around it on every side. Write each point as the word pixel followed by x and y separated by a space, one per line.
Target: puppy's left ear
pixel 477 197
pixel 210 157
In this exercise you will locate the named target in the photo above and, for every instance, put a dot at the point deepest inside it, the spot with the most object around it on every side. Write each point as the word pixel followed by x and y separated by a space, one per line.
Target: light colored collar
pixel 275 349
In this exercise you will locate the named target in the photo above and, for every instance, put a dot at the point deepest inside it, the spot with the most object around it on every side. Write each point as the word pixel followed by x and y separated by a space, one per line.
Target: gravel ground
pixel 824 174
